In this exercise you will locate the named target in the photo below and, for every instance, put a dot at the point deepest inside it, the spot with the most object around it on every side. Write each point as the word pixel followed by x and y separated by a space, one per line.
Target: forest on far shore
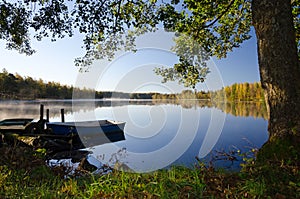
pixel 16 87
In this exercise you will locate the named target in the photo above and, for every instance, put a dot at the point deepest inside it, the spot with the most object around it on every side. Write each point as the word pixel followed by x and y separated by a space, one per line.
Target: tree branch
pixel 118 12
pixel 221 15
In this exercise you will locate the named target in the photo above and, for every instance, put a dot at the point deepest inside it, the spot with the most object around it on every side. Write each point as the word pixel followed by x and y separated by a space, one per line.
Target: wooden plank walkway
pixel 20 129
pixel 12 129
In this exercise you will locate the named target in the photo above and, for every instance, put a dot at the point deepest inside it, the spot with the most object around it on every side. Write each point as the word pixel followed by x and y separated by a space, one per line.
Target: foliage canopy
pixel 215 27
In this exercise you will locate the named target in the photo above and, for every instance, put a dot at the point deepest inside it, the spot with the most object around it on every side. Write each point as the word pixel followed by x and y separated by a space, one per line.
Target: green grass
pixel 30 178
pixel 178 182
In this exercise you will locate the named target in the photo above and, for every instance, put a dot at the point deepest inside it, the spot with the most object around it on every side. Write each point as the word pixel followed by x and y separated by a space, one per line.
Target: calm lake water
pixel 162 133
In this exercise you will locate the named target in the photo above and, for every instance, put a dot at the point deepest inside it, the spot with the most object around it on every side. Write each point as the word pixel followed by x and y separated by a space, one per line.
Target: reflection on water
pixel 16 109
pixel 159 133
pixel 255 109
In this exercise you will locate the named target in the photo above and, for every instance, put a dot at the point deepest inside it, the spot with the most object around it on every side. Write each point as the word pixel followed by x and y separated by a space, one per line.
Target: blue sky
pixel 54 61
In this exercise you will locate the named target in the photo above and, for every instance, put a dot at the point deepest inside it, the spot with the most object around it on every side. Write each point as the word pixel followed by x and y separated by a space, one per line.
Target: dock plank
pixel 12 128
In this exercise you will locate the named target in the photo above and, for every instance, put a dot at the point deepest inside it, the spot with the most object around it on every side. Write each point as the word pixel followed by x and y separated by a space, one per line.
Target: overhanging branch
pixel 220 16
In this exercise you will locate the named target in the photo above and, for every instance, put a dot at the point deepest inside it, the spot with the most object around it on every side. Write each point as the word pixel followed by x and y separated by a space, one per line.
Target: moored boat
pixel 90 132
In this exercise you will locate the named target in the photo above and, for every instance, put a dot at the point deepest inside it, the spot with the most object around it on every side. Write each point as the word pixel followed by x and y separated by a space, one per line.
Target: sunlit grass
pixel 178 182
pixel 40 181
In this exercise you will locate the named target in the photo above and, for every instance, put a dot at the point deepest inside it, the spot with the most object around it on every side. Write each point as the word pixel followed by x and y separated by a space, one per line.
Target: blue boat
pixel 90 132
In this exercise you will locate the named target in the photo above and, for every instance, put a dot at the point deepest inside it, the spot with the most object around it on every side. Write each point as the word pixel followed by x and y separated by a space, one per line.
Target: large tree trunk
pixel 279 65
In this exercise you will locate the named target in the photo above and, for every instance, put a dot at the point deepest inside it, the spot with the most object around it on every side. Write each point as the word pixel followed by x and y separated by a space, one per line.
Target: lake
pixel 159 134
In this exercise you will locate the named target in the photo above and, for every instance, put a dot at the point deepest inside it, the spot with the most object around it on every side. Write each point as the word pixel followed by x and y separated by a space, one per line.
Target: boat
pixel 91 133
pixel 56 135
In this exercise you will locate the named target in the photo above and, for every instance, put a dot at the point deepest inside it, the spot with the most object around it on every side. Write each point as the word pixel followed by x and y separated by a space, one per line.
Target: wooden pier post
pixel 41 112
pixel 47 115
pixel 62 113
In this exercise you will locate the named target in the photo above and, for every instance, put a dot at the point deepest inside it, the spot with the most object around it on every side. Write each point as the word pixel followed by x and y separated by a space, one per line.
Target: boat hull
pixel 91 133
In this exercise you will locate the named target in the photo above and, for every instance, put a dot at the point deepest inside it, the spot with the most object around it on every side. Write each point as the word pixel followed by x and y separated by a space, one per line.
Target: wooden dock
pixel 12 129
pixel 50 139
pixel 17 125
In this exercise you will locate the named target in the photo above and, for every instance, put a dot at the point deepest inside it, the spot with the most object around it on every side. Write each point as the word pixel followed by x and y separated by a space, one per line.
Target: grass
pixel 177 182
pixel 23 174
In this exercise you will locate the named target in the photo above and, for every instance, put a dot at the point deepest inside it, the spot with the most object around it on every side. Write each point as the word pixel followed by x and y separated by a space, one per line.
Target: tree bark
pixel 279 65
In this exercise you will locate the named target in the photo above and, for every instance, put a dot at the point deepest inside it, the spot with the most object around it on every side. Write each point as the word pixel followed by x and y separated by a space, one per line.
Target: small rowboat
pixel 90 132
pixel 57 136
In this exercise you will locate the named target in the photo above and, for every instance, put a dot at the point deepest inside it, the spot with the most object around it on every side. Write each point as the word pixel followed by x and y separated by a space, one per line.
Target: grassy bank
pixel 23 174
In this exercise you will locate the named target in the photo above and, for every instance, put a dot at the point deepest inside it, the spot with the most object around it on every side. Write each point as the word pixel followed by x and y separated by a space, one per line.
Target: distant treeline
pixel 256 109
pixel 14 86
pixel 240 92
pixel 236 92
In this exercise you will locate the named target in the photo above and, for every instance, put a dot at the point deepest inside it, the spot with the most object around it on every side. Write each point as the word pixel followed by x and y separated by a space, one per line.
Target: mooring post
pixel 47 115
pixel 62 113
pixel 41 112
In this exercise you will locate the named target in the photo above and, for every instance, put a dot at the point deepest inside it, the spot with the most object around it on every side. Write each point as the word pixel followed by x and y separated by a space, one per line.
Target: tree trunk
pixel 279 65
